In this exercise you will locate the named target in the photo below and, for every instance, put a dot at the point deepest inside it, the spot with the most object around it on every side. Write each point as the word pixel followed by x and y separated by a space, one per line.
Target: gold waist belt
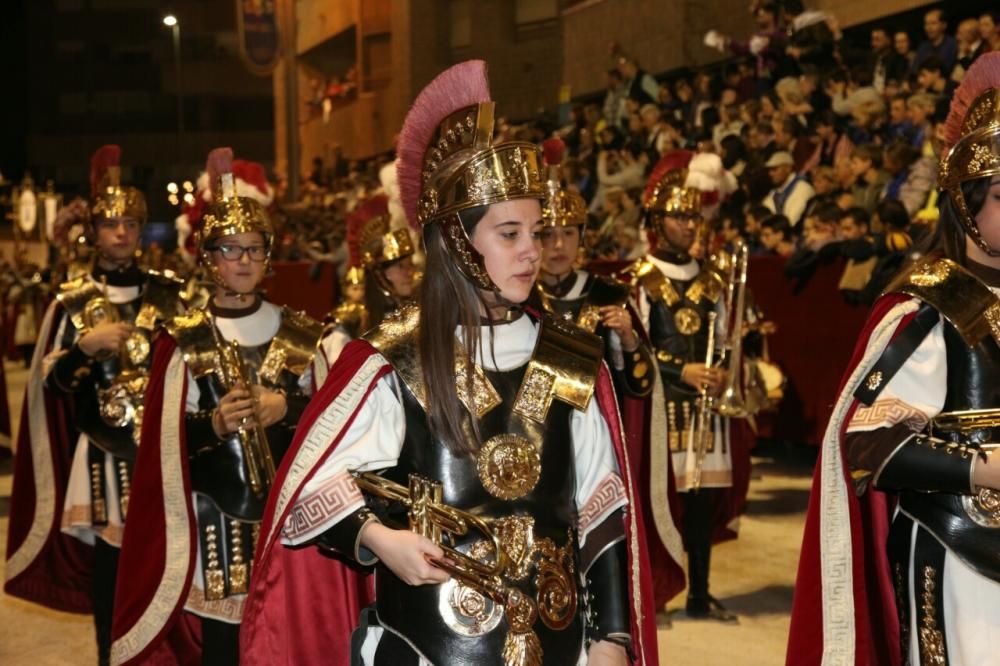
pixel 530 562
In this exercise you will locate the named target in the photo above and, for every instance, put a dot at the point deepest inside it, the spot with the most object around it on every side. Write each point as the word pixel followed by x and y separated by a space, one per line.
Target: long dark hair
pixel 448 300
pixel 948 238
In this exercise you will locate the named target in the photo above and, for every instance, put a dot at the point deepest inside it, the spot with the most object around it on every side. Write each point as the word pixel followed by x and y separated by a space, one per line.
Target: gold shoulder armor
pixel 160 300
pixel 564 366
pixel 709 284
pixel 196 340
pixel 74 296
pixel 396 339
pixel 961 298
pixel 656 284
pixel 293 347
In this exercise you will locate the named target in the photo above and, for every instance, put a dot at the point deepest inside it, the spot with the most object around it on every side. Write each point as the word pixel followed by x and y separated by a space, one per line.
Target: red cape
pixel 43 564
pixel 158 545
pixel 289 582
pixel 868 602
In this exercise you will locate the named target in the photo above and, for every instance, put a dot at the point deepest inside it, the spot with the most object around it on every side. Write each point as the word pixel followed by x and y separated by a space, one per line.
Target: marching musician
pixel 917 417
pixel 508 414
pixel 94 364
pixel 595 303
pixel 228 385
pixel 678 299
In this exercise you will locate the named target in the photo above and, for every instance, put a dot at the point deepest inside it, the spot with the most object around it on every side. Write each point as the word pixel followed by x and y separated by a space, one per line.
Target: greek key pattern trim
pixel 888 412
pixel 609 494
pixel 336 497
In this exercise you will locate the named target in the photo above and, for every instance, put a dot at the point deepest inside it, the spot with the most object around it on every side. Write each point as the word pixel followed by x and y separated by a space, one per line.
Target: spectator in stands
pixel 904 47
pixel 970 46
pixel 819 244
pixel 899 126
pixel 685 101
pixel 911 176
pixel 939 43
pixel 810 40
pixel 791 191
pixel 869 178
pixel 892 247
pixel 754 223
pixel 729 123
pixel 816 101
pixel 934 79
pixel 625 168
pixel 638 84
pixel 858 247
pixel 886 65
pixel 834 144
pixel 989 29
pixel 790 136
pixel 775 236
pixel 920 108
pixel 657 139
pixel 767 45
pixel 613 109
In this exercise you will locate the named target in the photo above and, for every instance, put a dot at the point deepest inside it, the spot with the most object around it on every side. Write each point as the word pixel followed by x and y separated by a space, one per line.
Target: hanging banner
pixel 260 39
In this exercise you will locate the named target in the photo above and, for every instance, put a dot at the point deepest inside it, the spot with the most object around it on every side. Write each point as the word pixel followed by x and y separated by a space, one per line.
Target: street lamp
pixel 175 27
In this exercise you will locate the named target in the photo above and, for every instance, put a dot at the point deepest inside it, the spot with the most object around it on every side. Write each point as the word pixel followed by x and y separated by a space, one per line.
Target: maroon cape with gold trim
pixel 290 616
pixel 844 609
pixel 43 564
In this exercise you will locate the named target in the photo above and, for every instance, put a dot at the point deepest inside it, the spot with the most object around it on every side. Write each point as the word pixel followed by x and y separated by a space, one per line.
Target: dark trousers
pixel 103 591
pixel 220 643
pixel 699 520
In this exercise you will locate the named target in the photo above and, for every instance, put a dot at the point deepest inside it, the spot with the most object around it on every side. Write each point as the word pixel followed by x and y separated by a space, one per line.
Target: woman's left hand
pixel 618 319
pixel 606 653
pixel 271 405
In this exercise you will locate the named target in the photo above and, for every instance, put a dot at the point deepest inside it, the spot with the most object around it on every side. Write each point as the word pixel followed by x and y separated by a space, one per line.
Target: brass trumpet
pixel 705 404
pixel 731 403
pixel 966 421
pixel 253 439
pixel 429 516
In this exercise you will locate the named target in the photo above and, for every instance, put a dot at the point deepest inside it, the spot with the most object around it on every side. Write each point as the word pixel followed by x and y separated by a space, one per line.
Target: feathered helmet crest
pixel 972 138
pixel 370 240
pixel 110 200
pixel 228 213
pixel 448 162
pixel 563 207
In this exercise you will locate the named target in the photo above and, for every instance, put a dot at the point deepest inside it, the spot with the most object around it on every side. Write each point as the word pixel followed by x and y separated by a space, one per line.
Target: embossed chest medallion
pixel 509 466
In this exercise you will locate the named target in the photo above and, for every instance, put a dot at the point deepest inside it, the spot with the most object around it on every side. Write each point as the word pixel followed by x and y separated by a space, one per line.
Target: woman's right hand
pixel 234 408
pixel 405 553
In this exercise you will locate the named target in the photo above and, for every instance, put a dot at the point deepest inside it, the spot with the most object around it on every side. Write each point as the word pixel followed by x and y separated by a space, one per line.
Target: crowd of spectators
pixel 828 143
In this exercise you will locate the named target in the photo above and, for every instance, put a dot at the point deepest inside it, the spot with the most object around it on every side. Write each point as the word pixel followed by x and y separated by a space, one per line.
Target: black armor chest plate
pixel 117 440
pixel 551 504
pixel 679 334
pixel 218 471
pixel 968 528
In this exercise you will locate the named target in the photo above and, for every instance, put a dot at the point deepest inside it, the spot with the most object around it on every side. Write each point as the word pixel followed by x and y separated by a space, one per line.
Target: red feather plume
pixel 455 88
pixel 103 158
pixel 983 75
pixel 356 221
pixel 220 161
pixel 553 150
pixel 675 159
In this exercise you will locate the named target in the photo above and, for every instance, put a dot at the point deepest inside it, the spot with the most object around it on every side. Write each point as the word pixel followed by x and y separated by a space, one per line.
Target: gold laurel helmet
pixel 381 245
pixel 113 201
pixel 975 155
pixel 563 207
pixel 229 215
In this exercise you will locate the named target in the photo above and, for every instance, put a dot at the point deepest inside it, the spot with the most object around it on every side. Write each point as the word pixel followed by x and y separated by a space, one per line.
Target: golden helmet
pixel 111 200
pixel 563 207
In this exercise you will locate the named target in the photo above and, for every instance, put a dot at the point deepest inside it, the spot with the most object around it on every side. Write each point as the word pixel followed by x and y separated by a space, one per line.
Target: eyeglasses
pixel 256 253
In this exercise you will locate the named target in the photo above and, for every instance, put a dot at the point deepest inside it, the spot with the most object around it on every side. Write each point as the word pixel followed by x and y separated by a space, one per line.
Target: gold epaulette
pixel 160 299
pixel 196 340
pixel 708 284
pixel 347 314
pixel 74 296
pixel 396 340
pixel 564 366
pixel 654 282
pixel 961 298
pixel 293 346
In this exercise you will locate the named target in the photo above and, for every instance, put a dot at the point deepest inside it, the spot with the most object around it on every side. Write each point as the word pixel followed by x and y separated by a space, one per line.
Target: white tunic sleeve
pixel 915 393
pixel 373 441
pixel 599 486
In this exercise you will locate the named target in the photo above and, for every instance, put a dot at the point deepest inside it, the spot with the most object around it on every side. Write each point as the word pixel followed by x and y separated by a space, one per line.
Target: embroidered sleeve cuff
pixel 345 537
pixel 928 464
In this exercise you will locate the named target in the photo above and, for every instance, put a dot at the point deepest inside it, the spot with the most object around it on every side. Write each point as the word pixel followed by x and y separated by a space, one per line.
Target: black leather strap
pixel 198 430
pixel 896 354
pixel 344 537
pixel 929 465
pixel 608 617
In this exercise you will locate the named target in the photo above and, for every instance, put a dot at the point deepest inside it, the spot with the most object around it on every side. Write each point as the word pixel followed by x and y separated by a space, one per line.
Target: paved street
pixel 753 576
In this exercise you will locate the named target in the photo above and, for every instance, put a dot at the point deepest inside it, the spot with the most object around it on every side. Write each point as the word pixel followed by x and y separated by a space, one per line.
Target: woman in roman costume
pixel 508 414
pixel 917 418
pixel 228 386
